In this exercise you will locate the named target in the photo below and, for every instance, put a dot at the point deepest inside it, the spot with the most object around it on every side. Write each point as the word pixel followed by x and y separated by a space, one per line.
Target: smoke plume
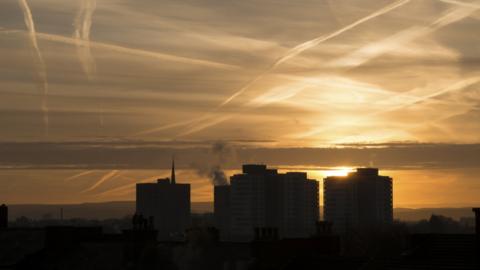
pixel 221 154
pixel 41 70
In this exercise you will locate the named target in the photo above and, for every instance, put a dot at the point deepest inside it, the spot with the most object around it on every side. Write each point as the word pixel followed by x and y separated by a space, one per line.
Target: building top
pixel 361 173
pixel 163 181
pixel 257 169
pixel 367 171
pixel 297 174
pixel 166 180
pixel 254 168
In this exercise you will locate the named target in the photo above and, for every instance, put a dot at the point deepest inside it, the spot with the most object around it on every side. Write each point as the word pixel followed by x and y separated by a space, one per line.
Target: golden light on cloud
pixel 334 75
pixel 339 171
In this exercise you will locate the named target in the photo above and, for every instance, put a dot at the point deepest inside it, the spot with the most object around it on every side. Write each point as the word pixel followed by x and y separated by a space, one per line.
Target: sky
pixel 96 95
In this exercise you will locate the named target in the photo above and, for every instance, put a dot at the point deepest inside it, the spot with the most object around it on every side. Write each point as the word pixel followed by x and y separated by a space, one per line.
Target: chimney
pixel 477 232
pixel 477 221
pixel 3 216
pixel 172 177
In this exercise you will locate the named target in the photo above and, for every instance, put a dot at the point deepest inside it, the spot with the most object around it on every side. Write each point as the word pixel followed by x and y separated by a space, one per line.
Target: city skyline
pixel 96 95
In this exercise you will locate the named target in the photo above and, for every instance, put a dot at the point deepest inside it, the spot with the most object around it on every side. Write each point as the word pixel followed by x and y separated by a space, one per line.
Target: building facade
pixel 263 198
pixel 167 203
pixel 360 200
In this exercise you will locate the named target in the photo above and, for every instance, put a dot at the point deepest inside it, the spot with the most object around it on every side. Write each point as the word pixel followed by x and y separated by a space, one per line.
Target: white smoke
pixel 41 75
pixel 221 154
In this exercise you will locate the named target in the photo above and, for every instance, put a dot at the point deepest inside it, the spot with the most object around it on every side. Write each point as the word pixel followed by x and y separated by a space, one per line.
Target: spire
pixel 173 171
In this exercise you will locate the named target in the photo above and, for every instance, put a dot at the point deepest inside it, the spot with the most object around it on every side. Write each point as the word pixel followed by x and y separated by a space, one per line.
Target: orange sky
pixel 89 85
pixel 412 188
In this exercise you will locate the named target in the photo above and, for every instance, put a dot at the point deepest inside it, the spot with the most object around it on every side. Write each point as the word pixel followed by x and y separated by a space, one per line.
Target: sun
pixel 338 171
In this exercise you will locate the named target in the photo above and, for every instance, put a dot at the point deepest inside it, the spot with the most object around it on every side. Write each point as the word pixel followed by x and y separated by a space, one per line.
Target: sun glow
pixel 338 171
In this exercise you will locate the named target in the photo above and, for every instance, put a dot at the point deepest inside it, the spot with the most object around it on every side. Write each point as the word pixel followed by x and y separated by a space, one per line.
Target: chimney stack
pixel 3 216
pixel 172 177
pixel 477 220
pixel 477 232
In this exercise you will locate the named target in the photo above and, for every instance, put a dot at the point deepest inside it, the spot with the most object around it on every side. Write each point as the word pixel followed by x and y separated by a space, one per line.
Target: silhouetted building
pixel 69 237
pixel 3 216
pixel 168 204
pixel 362 199
pixel 261 199
pixel 221 209
pixel 477 234
pixel 277 254
pixel 437 251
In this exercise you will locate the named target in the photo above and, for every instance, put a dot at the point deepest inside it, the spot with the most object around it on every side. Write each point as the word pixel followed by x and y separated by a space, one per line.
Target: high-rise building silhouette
pixel 221 209
pixel 261 199
pixel 168 203
pixel 362 199
pixel 3 216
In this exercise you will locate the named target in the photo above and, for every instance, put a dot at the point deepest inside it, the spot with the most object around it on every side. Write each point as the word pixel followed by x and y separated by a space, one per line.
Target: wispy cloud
pixel 311 66
pixel 313 43
pixel 286 56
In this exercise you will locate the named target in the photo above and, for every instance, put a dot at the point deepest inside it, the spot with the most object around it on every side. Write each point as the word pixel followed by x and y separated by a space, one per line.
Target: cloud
pixel 148 155
pixel 355 59
pixel 292 53
pixel 151 86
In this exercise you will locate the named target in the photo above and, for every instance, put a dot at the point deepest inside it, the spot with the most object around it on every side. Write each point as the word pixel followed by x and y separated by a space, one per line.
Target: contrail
pixel 368 52
pixel 83 24
pixel 374 49
pixel 165 127
pixel 461 3
pixel 132 51
pixel 313 43
pixel 136 52
pixel 42 82
pixel 205 125
pixel 292 53
pixel 103 179
pixel 457 86
pixel 75 176
pixel 127 187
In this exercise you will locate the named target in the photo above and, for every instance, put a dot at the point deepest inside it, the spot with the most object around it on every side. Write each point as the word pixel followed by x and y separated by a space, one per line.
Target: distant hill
pixel 105 210
pixel 409 214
